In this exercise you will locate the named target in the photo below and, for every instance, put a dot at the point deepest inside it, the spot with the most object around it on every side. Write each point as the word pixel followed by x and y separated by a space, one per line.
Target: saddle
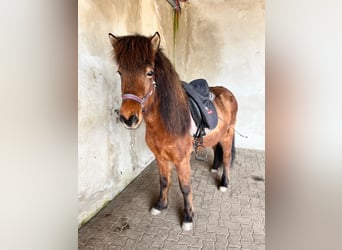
pixel 201 105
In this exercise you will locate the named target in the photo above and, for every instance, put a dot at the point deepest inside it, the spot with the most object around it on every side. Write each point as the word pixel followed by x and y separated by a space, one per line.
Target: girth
pixel 202 110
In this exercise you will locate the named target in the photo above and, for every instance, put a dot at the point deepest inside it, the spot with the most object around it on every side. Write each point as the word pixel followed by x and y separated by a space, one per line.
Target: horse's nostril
pixel 122 119
pixel 132 120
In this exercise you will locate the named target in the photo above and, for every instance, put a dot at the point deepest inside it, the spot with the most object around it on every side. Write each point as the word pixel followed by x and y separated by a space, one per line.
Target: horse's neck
pixel 152 116
pixel 167 109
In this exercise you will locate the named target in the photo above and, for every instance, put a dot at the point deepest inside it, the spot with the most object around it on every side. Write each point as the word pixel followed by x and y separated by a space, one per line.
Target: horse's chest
pixel 168 147
pixel 156 141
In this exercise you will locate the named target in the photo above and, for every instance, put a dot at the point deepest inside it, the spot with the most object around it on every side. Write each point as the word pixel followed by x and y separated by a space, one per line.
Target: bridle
pixel 138 99
pixel 141 101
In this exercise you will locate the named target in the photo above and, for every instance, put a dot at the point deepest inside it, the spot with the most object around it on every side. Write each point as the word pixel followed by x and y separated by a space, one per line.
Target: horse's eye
pixel 119 73
pixel 150 73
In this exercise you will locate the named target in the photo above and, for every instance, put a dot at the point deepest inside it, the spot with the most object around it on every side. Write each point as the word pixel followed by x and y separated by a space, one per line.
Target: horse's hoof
pixel 223 189
pixel 213 170
pixel 187 226
pixel 155 211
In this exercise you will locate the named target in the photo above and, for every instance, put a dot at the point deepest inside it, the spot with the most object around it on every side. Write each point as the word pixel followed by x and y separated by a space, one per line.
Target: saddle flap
pixel 195 111
pixel 198 92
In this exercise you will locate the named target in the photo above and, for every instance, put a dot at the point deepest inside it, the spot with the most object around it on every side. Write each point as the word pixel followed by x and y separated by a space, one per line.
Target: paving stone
pixel 246 244
pixel 115 240
pixel 219 246
pixel 258 247
pixel 214 221
pixel 241 219
pixel 259 238
pixel 147 228
pixel 233 226
pixel 160 237
pixel 258 228
pixel 132 234
pixel 211 228
pixel 145 242
pixel 234 244
pixel 130 244
pixel 247 237
pixel 174 233
pixel 222 240
pixel 208 244
pixel 93 243
pixel 160 223
pixel 193 248
pixel 231 220
pixel 171 245
pixel 201 223
pixel 205 235
pixel 190 240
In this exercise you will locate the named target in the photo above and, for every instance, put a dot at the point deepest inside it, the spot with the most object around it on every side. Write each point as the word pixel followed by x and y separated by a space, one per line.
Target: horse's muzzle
pixel 131 122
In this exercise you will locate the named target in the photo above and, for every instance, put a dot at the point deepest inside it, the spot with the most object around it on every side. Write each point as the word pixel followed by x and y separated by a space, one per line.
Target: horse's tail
pixel 232 152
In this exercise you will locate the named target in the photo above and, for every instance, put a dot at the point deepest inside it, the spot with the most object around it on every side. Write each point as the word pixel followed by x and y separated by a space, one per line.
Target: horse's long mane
pixel 173 108
pixel 134 53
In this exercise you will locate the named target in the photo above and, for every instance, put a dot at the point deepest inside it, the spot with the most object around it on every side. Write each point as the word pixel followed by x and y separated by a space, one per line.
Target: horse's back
pixel 225 102
pixel 224 95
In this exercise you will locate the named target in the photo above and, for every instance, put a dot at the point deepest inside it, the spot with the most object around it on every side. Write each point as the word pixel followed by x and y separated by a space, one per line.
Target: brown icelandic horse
pixel 152 91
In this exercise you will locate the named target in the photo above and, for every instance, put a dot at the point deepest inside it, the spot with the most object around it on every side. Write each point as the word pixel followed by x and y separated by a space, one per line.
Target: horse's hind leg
pixel 218 158
pixel 184 177
pixel 228 154
pixel 165 183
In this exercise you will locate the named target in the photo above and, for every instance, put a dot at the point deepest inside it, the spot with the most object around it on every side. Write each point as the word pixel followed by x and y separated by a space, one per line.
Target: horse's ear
pixel 113 39
pixel 155 40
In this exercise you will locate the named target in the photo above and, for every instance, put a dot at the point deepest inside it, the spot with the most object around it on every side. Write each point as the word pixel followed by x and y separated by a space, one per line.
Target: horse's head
pixel 135 58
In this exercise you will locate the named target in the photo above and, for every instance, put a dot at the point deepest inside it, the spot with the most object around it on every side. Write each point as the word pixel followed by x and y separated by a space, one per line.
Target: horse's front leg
pixel 184 177
pixel 165 183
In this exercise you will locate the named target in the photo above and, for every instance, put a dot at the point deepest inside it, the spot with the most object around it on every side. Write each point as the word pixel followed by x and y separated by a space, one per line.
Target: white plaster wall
pixel 222 41
pixel 110 157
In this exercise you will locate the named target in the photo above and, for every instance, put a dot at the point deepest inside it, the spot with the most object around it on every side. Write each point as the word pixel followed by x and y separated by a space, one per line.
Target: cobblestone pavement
pixel 231 220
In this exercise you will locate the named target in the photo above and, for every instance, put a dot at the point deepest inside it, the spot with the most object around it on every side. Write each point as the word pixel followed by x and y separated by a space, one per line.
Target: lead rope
pixel 244 136
pixel 202 155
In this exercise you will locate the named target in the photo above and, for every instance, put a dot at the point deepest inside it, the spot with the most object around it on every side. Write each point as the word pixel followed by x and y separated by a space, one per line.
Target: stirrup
pixel 199 155
pixel 198 143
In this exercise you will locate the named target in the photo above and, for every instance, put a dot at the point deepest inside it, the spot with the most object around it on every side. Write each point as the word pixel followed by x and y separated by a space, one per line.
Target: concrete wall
pixel 224 42
pixel 221 41
pixel 109 156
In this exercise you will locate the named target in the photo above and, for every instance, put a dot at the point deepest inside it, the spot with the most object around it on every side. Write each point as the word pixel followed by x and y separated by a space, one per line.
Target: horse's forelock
pixel 133 53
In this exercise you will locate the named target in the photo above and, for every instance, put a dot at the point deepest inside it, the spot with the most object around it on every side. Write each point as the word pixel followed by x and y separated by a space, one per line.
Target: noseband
pixel 141 101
